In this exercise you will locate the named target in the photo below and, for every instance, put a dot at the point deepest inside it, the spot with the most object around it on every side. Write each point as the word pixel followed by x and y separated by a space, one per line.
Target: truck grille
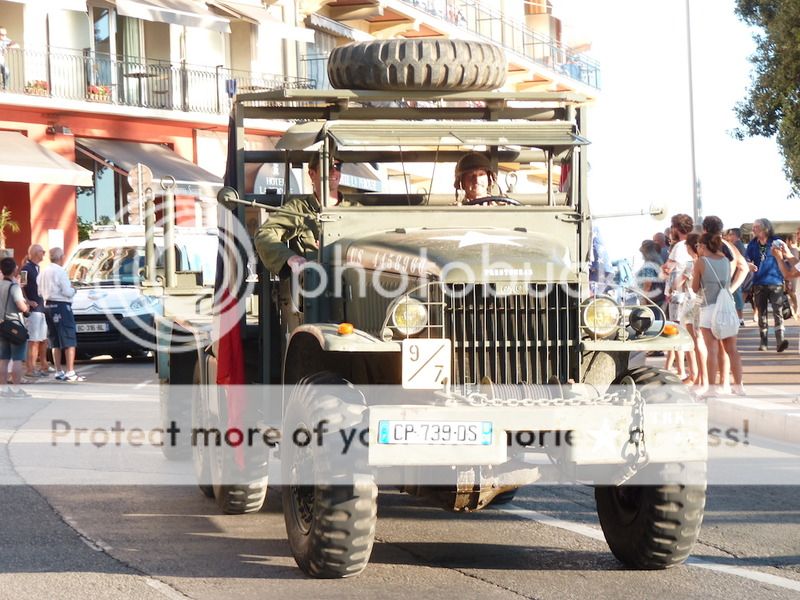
pixel 518 338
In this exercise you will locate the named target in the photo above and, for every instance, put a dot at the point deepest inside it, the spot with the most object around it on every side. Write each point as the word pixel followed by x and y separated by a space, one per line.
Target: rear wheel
pixel 175 409
pixel 652 526
pixel 201 456
pixel 504 498
pixel 330 508
pixel 238 474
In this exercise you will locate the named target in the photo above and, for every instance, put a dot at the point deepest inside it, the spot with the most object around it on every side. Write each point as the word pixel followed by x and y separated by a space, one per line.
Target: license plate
pixel 91 327
pixel 436 433
pixel 426 363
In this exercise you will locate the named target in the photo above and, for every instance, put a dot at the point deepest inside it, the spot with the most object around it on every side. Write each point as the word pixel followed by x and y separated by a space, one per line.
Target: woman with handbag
pixel 712 273
pixel 13 336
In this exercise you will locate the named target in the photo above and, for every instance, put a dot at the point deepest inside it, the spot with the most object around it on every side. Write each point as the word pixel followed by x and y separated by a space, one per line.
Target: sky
pixel 640 126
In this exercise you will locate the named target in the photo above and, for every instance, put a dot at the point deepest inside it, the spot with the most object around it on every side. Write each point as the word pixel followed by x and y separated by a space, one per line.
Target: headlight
pixel 409 316
pixel 601 317
pixel 641 319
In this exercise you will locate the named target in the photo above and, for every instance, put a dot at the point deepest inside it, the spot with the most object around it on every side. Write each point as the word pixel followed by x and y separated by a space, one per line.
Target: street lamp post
pixel 696 208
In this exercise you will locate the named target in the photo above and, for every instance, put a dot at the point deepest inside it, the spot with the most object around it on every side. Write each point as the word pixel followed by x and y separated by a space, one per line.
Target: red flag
pixel 227 292
pixel 230 356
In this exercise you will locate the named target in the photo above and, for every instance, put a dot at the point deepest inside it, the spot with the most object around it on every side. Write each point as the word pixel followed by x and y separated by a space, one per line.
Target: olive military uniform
pixel 301 233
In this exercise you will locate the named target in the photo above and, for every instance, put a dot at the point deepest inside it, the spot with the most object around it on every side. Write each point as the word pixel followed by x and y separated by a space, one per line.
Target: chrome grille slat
pixel 524 338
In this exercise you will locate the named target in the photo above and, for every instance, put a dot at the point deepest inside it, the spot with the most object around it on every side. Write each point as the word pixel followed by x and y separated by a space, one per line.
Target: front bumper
pixel 114 335
pixel 600 434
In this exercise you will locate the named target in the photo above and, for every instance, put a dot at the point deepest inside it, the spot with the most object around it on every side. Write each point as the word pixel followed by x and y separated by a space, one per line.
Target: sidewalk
pixel 771 408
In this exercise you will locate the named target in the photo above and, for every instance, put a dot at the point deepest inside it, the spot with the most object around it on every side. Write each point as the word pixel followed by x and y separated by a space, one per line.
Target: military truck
pixel 458 346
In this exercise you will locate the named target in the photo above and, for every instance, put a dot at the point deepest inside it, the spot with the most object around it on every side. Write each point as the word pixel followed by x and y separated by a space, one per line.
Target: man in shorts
pixel 36 322
pixel 57 292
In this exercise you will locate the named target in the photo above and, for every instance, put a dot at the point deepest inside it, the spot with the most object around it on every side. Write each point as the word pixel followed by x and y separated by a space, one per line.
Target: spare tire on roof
pixel 422 64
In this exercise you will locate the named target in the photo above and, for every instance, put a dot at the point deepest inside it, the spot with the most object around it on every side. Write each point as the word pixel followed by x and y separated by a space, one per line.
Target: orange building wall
pixel 38 208
pixel 15 196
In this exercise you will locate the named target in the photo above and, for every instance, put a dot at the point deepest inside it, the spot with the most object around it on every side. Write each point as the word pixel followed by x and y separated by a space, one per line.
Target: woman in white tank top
pixel 712 270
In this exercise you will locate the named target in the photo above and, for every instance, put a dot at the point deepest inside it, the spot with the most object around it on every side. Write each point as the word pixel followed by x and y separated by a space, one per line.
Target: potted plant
pixel 99 93
pixel 37 87
pixel 6 223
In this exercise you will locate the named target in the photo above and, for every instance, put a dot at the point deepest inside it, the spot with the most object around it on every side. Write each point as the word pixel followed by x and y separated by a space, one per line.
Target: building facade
pixel 91 88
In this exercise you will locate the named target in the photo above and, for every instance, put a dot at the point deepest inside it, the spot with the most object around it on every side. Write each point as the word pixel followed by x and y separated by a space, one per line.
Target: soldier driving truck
pixel 452 352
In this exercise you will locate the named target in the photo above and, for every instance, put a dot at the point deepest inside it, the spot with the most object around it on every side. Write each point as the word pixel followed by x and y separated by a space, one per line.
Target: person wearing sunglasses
pixel 288 239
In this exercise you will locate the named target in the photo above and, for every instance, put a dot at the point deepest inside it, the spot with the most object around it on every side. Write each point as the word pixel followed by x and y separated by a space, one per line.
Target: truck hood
pixel 459 254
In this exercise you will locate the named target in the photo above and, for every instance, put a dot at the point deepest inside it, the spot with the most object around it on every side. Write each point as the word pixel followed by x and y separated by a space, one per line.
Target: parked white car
pixel 112 314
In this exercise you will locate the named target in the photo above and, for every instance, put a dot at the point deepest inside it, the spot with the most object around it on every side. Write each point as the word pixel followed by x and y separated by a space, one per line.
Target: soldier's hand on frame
pixel 296 263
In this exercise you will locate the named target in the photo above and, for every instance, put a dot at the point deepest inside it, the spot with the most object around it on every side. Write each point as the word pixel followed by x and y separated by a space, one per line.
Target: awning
pixel 260 16
pixel 326 25
pixel 23 160
pixel 176 12
pixel 124 156
pixel 79 5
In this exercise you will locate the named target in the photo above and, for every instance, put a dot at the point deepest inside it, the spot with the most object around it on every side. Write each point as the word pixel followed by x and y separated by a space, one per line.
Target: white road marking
pixel 759 576
pixel 164 589
pixel 143 384
pixel 597 534
pixel 532 515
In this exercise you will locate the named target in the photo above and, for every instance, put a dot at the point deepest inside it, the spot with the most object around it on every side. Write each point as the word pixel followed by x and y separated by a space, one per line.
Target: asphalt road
pixel 146 541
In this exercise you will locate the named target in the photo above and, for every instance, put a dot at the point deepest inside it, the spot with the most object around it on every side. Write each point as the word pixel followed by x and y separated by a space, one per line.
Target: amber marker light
pixel 345 329
pixel 670 329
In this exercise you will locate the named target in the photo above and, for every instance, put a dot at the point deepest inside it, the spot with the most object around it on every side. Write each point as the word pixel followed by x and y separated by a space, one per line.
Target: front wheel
pixel 329 500
pixel 652 526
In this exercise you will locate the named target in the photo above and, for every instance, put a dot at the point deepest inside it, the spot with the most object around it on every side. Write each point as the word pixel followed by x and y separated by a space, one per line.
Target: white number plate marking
pixel 426 363
pixel 438 433
pixel 91 327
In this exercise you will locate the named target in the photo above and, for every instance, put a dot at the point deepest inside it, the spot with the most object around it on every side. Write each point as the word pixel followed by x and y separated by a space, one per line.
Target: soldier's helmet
pixel 471 161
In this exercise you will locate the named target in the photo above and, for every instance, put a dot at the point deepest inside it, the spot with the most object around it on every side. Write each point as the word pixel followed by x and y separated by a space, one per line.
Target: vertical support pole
pixel 150 237
pixel 169 233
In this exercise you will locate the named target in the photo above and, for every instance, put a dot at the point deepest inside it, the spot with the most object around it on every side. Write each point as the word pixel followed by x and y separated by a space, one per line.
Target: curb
pixel 778 421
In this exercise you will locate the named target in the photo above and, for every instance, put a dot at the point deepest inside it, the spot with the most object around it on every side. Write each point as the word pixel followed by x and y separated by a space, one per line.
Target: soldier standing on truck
pixel 298 227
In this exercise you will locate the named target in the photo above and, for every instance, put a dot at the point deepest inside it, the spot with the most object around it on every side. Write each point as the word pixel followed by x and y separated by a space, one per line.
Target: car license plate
pixel 91 327
pixel 445 433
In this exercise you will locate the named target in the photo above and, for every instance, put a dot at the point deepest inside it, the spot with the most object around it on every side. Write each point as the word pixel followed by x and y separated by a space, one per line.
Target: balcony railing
pixel 314 67
pixel 495 27
pixel 95 77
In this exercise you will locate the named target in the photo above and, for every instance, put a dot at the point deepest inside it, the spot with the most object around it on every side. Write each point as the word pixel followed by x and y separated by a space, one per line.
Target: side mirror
pixel 658 211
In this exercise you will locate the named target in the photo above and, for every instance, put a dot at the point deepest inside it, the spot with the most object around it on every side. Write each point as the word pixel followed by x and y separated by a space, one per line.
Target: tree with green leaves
pixel 772 105
pixel 6 223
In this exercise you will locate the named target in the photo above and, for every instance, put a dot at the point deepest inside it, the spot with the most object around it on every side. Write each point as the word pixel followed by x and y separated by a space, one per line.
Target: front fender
pixel 682 341
pixel 330 340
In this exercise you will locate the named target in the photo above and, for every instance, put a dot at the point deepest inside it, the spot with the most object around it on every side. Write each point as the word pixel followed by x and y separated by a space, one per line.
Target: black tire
pixel 330 527
pixel 249 492
pixel 417 64
pixel 201 457
pixel 175 407
pixel 504 498
pixel 651 526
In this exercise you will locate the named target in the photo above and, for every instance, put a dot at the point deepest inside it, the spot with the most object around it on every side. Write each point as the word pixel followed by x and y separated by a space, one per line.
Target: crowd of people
pixel 42 301
pixel 684 270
